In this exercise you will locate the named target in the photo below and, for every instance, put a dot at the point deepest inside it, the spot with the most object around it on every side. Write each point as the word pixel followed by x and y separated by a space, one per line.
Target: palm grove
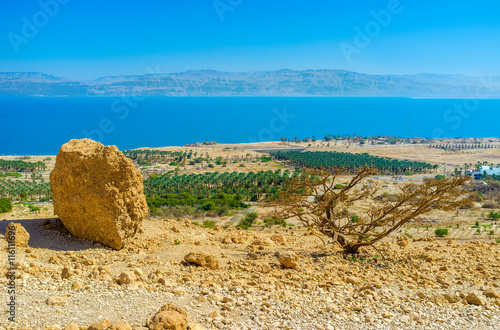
pixel 313 195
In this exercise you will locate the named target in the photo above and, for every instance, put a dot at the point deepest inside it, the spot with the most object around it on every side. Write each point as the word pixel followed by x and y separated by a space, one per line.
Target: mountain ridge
pixel 284 82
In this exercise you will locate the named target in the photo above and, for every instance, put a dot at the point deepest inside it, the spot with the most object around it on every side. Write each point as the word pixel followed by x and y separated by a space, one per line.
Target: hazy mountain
pixel 36 83
pixel 260 83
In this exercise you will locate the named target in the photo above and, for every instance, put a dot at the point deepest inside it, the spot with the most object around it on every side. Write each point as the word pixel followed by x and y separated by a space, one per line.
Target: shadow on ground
pixel 50 234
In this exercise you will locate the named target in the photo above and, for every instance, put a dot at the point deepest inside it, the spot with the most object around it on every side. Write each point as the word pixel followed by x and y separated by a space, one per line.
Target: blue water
pixel 40 125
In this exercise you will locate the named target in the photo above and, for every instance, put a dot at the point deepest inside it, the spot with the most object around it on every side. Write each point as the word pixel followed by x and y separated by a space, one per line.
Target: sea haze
pixel 40 125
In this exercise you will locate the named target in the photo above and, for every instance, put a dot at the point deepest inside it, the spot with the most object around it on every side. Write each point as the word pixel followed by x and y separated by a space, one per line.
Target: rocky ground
pixel 243 282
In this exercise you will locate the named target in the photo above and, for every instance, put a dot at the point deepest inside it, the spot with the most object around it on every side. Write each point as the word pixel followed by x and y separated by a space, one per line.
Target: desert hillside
pixel 225 269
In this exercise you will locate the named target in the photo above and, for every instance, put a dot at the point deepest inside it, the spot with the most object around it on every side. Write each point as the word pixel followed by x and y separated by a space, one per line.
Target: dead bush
pixel 314 199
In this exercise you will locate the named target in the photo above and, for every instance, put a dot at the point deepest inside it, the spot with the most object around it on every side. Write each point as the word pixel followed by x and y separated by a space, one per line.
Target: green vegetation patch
pixel 21 166
pixel 325 159
pixel 441 232
pixel 25 190
pixel 5 205
pixel 251 186
pixel 209 224
pixel 220 203
pixel 494 215
pixel 248 220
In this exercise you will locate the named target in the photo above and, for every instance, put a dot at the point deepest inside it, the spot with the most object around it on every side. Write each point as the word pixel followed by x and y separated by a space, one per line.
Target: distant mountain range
pixel 260 83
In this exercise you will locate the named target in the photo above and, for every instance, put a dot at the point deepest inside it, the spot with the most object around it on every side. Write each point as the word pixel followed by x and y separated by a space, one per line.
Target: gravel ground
pixel 410 288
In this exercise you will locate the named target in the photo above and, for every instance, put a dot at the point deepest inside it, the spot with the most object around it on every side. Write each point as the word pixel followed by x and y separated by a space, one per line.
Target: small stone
pixel 139 272
pixel 217 297
pixel 65 273
pixel 202 259
pixel 72 326
pixel 475 298
pixel 262 242
pixel 196 326
pixel 165 282
pixel 278 238
pixel 403 241
pixel 352 280
pixel 451 298
pixel 405 319
pixel 120 325
pixel 439 299
pixel 132 286
pixel 415 317
pixel 77 286
pixel 16 234
pixel 492 293
pixel 126 278
pixel 56 300
pixel 101 325
pixel 333 308
pixel 421 295
pixel 214 315
pixel 228 307
pixel 288 259
pixel 387 315
pixel 179 292
pixel 169 317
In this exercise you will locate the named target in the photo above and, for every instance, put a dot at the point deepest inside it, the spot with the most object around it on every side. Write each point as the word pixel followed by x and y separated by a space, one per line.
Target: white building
pixel 488 169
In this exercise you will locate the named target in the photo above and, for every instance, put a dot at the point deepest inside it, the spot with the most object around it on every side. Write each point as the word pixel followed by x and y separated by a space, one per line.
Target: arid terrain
pixel 410 280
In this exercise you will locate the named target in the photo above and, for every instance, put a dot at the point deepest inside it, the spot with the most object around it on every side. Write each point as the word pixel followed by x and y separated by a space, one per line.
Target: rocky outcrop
pixel 98 193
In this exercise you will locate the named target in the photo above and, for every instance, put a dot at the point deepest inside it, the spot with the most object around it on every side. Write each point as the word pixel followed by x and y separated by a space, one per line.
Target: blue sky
pixel 85 39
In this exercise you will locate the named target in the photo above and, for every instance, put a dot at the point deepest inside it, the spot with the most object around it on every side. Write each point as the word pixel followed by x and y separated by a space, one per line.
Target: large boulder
pixel 97 192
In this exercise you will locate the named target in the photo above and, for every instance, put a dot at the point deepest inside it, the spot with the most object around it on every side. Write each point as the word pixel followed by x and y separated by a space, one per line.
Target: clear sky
pixel 85 39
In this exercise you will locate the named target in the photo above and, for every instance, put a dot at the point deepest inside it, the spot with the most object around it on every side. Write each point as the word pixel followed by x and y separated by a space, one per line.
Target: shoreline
pixel 279 145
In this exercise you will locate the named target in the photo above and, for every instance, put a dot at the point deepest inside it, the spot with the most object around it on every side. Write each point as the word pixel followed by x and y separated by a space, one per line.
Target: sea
pixel 40 125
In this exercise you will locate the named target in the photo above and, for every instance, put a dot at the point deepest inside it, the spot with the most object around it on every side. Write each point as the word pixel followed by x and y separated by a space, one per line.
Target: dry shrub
pixel 313 199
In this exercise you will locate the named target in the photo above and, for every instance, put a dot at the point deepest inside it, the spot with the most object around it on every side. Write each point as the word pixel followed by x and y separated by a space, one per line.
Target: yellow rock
pixel 16 234
pixel 98 193
pixel 169 317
